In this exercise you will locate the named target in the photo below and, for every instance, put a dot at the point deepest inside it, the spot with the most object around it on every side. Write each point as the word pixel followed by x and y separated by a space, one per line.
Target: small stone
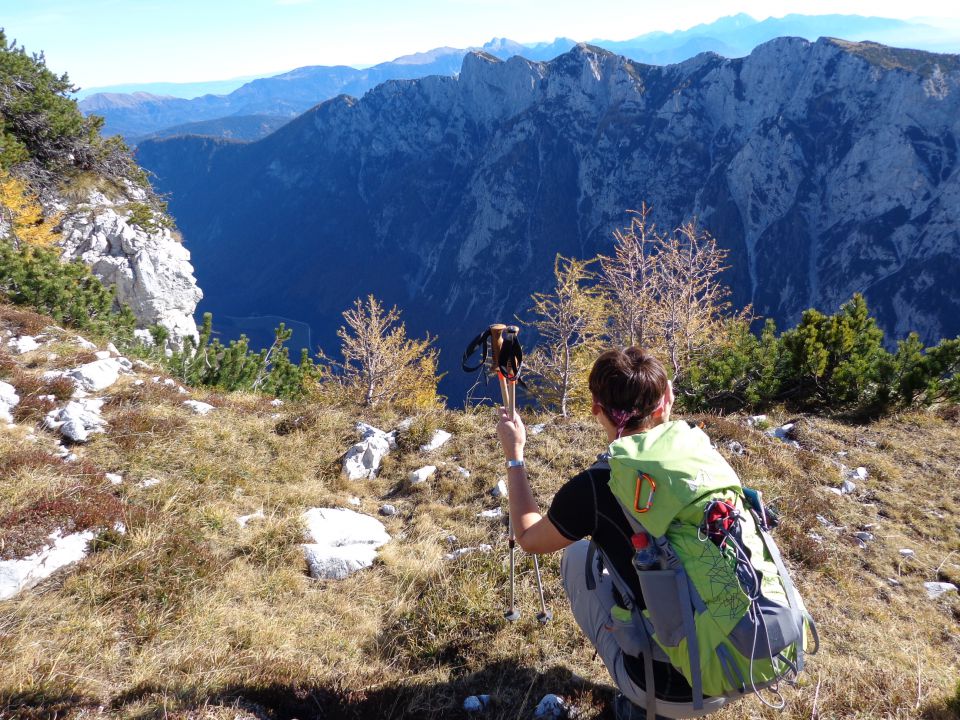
pixel 112 349
pixel 499 490
pixel 495 513
pixel 756 420
pixel 85 344
pixel 97 375
pixel 440 438
pixel 388 510
pixel 468 551
pixel 102 354
pixel 834 491
pixel 864 536
pixel 907 553
pixel 476 703
pixel 451 539
pixel 245 520
pixel 936 589
pixel 551 706
pixel 538 428
pixel 23 344
pixel 735 447
pixel 422 475
pixel 276 402
pixel 463 471
pixel 848 487
pixel 816 537
pixel 114 478
pixel 355 501
pixel 200 408
pixel 894 582
pixel 148 483
pixel 169 382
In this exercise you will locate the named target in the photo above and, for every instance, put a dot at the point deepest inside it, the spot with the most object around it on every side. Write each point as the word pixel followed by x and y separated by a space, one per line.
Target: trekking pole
pixel 509 358
pixel 512 614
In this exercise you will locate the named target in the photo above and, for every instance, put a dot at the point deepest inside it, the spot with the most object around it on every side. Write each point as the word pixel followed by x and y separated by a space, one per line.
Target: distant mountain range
pixel 141 114
pixel 825 169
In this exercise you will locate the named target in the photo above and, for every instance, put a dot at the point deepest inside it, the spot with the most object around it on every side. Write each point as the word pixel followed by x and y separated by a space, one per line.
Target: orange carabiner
pixel 636 498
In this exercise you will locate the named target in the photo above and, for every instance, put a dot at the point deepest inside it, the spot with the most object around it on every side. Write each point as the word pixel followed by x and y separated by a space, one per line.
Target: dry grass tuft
pixel 22 321
pixel 140 426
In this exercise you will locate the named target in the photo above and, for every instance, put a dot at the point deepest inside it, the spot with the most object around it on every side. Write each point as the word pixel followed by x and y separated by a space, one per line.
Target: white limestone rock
pixel 151 270
pixel 8 401
pixel 388 510
pixel 461 552
pixel 77 419
pixel 114 478
pixel 937 589
pixel 341 542
pixel 439 439
pixel 18 575
pixel 551 706
pixel 494 513
pixel 23 344
pixel 476 703
pixel 148 483
pixel 422 475
pixel 363 459
pixel 500 489
pixel 200 408
pixel 245 520
pixel 538 428
pixel 97 375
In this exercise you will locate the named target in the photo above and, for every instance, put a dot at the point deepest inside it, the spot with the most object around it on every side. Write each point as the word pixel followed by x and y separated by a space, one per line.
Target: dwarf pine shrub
pixel 68 292
pixel 836 362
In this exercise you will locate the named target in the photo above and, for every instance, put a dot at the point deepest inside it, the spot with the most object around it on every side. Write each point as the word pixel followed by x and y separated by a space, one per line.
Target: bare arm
pixel 534 532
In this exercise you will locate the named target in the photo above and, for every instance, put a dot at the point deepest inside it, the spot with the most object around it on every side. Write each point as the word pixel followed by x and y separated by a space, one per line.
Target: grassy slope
pixel 188 615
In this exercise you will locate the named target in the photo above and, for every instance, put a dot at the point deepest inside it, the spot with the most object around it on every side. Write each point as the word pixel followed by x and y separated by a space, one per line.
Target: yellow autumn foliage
pixel 20 209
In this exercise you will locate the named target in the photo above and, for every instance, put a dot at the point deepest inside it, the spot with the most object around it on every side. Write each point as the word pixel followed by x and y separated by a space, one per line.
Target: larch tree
pixel 570 322
pixel 627 277
pixel 381 365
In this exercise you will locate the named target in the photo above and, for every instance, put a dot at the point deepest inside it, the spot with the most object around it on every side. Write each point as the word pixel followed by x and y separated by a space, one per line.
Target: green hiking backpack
pixel 719 605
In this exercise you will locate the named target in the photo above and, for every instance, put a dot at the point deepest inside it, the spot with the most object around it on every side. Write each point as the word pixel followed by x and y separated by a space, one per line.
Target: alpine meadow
pixel 313 392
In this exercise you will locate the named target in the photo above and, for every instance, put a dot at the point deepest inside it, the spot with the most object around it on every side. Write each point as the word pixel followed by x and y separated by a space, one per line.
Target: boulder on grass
pixel 341 542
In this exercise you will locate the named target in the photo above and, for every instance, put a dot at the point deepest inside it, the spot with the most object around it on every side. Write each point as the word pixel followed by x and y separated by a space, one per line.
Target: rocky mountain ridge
pixel 825 169
pixel 142 114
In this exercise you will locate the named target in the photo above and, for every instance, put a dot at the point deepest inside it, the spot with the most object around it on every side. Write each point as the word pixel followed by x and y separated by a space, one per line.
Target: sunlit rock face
pixel 150 268
pixel 825 169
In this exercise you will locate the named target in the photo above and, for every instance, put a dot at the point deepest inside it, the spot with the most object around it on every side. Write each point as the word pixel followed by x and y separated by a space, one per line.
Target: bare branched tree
pixel 628 276
pixel 570 322
pixel 666 290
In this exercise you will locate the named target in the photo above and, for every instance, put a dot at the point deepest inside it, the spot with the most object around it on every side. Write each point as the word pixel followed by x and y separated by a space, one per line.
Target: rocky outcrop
pixel 149 267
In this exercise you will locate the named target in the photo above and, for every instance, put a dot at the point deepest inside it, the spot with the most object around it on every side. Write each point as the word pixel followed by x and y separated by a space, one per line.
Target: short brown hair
pixel 630 380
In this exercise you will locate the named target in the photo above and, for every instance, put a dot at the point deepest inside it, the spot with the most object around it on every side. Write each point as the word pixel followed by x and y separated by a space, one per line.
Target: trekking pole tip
pixel 512 615
pixel 544 617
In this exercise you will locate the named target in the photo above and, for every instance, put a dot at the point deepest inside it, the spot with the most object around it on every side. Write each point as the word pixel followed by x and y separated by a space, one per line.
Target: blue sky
pixel 104 42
